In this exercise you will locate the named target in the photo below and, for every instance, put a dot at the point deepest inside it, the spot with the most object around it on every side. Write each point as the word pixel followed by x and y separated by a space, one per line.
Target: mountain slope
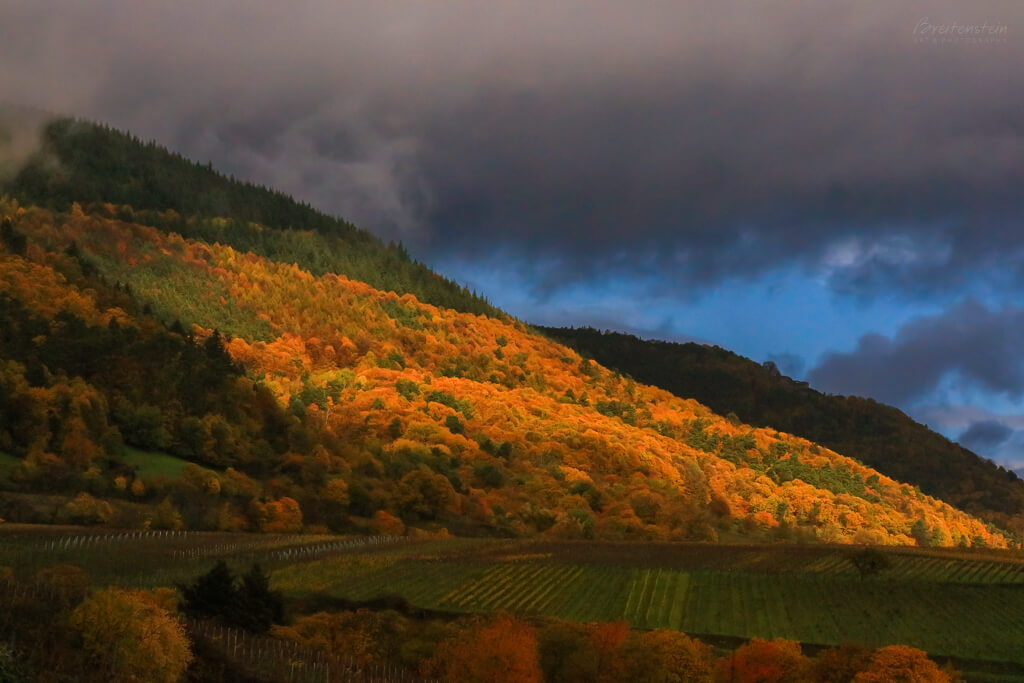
pixel 143 183
pixel 878 435
pixel 79 161
pixel 415 414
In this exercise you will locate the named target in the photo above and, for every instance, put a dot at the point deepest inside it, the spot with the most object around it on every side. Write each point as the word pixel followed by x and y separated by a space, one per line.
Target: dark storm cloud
pixel 789 364
pixel 985 435
pixel 957 418
pixel 977 347
pixel 997 436
pixel 997 442
pixel 695 140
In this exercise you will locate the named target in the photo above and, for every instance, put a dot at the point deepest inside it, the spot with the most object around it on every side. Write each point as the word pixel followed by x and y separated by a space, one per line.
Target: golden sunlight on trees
pixel 339 402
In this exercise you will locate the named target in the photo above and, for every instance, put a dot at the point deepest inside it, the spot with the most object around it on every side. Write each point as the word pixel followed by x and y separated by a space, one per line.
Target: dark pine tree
pixel 214 594
pixel 259 608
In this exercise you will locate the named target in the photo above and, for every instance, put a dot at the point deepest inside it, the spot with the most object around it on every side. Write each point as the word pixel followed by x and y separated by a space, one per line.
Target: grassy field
pixel 961 604
pixel 153 465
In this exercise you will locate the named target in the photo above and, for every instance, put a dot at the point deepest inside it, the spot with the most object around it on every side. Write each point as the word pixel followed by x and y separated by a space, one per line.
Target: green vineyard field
pixel 959 607
pixel 962 604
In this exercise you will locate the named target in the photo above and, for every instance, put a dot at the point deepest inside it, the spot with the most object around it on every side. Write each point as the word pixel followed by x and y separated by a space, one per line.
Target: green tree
pixel 489 475
pixel 214 594
pixel 259 608
pixel 921 533
pixel 11 238
pixel 454 425
pixel 249 603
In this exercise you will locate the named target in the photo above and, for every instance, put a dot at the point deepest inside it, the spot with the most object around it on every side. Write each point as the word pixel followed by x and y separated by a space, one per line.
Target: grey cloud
pixel 20 136
pixel 985 435
pixel 690 139
pixel 957 418
pixel 1009 453
pixel 999 437
pixel 978 346
pixel 617 321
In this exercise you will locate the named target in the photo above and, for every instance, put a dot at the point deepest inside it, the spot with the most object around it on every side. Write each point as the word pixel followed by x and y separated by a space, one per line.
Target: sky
pixel 833 186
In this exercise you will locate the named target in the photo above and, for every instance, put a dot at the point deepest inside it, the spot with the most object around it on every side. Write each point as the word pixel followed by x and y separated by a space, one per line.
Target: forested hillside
pixel 320 402
pixel 79 161
pixel 878 435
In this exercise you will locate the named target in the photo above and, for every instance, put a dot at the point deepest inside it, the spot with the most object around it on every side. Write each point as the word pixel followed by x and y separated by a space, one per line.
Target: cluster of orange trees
pixel 398 413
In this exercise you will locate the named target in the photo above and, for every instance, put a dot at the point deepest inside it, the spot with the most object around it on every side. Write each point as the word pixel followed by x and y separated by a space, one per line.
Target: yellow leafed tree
pixel 131 637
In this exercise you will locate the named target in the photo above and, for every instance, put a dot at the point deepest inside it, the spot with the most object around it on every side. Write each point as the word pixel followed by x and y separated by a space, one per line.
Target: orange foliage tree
pixel 283 516
pixel 666 656
pixel 608 639
pixel 765 661
pixel 899 664
pixel 503 650
pixel 387 524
